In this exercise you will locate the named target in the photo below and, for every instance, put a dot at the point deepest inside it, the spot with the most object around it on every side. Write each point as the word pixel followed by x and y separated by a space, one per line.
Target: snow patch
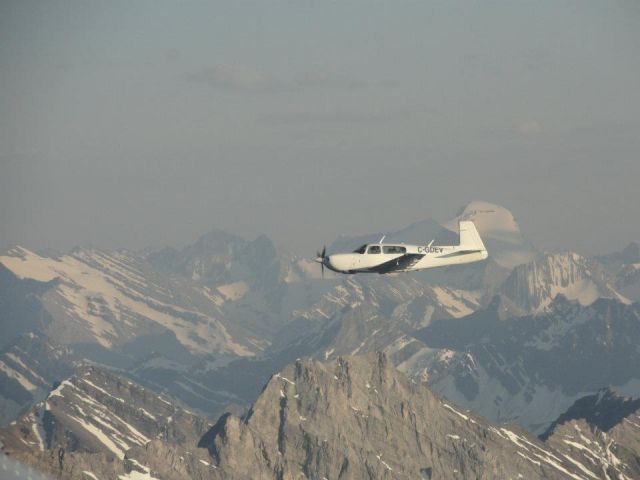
pixel 102 390
pixel 100 435
pixel 21 379
pixel 234 291
pixel 386 465
pixel 14 358
pixel 452 302
pixel 137 475
pixel 461 415
pixel 277 375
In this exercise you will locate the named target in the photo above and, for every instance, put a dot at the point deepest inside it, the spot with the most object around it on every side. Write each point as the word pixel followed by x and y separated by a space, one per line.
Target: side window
pixel 374 249
pixel 394 249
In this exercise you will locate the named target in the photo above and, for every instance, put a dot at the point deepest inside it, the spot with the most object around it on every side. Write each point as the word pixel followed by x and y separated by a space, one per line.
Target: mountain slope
pixel 625 267
pixel 602 433
pixel 358 315
pixel 91 420
pixel 108 298
pixel 252 281
pixel 616 260
pixel 508 368
pixel 628 281
pixel 399 302
pixel 28 369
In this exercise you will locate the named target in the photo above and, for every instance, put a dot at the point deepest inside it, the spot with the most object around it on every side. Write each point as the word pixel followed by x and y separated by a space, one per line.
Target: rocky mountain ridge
pixel 383 425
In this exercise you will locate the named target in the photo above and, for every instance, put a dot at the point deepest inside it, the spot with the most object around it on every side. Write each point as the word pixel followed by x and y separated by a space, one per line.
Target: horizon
pixel 48 251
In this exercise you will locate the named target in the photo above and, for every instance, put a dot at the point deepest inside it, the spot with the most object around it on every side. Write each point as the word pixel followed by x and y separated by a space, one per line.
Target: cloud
pixel 529 128
pixel 327 80
pixel 242 78
pixel 236 77
pixel 333 117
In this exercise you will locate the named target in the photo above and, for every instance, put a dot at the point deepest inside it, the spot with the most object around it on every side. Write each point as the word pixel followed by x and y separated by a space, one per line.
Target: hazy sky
pixel 127 124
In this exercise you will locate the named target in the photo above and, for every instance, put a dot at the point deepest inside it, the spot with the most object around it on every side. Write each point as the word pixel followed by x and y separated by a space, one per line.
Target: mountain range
pixel 517 339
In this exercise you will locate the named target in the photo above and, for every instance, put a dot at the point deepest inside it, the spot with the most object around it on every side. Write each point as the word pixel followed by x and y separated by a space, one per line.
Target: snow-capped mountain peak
pixel 499 230
pixel 491 220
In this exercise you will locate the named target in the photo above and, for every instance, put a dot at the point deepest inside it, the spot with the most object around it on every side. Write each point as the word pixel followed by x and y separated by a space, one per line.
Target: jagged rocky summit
pixel 358 417
pixel 350 418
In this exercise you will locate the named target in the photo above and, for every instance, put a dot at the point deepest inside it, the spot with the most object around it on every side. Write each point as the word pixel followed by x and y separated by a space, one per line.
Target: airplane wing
pixel 398 264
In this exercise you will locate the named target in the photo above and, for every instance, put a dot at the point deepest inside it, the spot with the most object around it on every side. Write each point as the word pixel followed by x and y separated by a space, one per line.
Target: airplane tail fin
pixel 470 238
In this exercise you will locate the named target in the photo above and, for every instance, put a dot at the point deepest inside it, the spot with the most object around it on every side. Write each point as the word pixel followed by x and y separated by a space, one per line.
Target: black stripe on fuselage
pixel 459 253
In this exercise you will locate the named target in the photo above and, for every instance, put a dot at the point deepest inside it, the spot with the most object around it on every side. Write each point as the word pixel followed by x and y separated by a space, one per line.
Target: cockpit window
pixel 361 249
pixel 374 249
pixel 394 249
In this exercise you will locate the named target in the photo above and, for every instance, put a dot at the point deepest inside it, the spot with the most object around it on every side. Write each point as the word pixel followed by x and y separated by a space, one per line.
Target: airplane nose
pixel 336 263
pixel 328 262
pixel 331 262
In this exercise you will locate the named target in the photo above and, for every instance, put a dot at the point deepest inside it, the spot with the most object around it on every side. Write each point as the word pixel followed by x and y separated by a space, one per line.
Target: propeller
pixel 320 257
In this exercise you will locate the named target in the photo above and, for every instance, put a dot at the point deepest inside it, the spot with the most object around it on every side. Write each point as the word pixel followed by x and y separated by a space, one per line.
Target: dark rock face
pixel 603 410
pixel 28 369
pixel 20 306
pixel 601 434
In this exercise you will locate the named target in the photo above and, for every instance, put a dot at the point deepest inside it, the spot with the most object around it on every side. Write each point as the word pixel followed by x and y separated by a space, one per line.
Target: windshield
pixel 360 249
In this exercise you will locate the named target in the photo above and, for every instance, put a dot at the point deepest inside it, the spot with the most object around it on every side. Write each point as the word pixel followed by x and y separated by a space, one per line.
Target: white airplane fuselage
pixel 379 257
pixel 435 256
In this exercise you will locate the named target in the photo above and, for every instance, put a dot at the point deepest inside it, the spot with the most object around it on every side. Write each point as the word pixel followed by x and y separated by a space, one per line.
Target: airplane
pixel 397 257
